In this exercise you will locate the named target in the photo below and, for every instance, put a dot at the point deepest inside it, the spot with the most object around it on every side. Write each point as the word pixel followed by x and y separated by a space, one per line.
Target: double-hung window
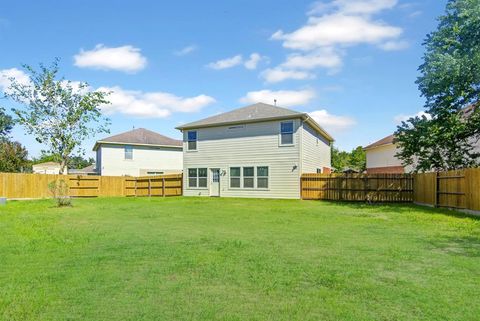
pixel 262 177
pixel 235 177
pixel 197 177
pixel 128 154
pixel 249 177
pixel 192 140
pixel 286 133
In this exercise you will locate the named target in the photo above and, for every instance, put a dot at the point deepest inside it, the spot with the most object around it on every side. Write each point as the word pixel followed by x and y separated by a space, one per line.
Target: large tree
pixel 450 83
pixel 13 157
pixel 356 159
pixel 59 113
pixel 6 123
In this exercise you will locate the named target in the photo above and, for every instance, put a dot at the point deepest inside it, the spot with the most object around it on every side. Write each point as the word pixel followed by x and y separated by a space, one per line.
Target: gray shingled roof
pixel 141 136
pixel 256 112
pixel 384 141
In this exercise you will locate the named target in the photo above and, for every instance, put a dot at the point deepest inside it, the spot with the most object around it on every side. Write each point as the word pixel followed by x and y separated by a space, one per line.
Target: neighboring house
pixel 138 152
pixel 89 170
pixel 255 151
pixel 46 168
pixel 381 157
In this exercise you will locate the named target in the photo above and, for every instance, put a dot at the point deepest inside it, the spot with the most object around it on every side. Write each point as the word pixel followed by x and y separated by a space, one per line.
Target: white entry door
pixel 214 182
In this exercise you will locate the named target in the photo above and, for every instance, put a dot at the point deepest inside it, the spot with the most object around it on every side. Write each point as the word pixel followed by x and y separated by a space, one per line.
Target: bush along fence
pixel 22 186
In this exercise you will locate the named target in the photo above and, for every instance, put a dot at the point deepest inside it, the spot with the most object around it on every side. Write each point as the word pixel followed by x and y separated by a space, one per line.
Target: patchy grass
pixel 235 259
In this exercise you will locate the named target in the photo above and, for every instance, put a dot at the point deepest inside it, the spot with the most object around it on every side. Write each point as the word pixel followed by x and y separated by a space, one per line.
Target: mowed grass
pixel 236 259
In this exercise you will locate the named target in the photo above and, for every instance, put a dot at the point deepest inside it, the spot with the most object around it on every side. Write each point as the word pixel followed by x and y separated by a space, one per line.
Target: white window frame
pixel 267 177
pixel 230 177
pixel 292 133
pixel 197 177
pixel 196 141
pixel 249 177
pixel 125 152
pixel 255 178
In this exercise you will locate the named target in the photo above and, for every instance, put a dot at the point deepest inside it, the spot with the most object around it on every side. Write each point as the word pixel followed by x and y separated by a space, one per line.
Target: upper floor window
pixel 286 133
pixel 192 140
pixel 128 152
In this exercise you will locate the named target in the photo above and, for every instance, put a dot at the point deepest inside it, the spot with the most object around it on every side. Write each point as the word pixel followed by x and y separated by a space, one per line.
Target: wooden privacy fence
pixel 459 189
pixel 165 185
pixel 358 187
pixel 15 185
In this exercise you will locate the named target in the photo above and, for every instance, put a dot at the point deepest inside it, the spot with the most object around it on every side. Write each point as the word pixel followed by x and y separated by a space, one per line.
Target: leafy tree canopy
pixel 59 113
pixel 13 157
pixel 6 123
pixel 450 83
pixel 356 159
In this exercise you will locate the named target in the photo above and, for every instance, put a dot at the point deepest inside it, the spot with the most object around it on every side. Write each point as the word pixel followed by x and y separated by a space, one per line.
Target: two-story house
pixel 255 151
pixel 139 152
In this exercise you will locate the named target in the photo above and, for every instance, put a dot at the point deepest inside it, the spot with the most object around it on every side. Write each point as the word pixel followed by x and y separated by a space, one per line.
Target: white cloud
pixel 251 63
pixel 352 6
pixel 394 45
pixel 326 58
pixel 330 29
pixel 285 98
pixel 185 51
pixel 151 104
pixel 279 74
pixel 337 29
pixel 124 58
pixel 6 74
pixel 332 123
pixel 402 117
pixel 226 63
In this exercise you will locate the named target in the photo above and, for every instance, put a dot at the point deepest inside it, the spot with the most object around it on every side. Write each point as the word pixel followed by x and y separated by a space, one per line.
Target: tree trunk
pixel 63 166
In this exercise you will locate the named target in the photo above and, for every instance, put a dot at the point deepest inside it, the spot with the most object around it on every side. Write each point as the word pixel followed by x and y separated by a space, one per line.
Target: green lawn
pixel 233 259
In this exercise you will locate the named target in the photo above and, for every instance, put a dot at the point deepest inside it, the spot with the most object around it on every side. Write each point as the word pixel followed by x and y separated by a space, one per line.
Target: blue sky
pixel 352 64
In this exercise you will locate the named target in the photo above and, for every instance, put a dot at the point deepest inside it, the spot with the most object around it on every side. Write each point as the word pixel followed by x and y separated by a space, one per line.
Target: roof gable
pixel 384 141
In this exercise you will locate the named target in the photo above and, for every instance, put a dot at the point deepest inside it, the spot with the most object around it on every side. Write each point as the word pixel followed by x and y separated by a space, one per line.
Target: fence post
pixel 149 187
pixel 437 195
pixel 136 186
pixel 163 186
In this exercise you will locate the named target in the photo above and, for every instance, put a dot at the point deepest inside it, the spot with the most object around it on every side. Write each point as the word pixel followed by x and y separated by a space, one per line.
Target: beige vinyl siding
pixel 157 159
pixel 254 144
pixel 315 150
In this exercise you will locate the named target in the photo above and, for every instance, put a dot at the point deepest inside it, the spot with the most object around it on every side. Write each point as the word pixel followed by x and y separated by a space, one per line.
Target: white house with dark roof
pixel 139 152
pixel 255 151
pixel 381 157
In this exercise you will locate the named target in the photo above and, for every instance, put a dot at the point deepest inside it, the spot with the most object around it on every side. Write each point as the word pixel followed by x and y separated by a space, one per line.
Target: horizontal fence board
pixel 357 187
pixel 22 186
pixel 458 189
